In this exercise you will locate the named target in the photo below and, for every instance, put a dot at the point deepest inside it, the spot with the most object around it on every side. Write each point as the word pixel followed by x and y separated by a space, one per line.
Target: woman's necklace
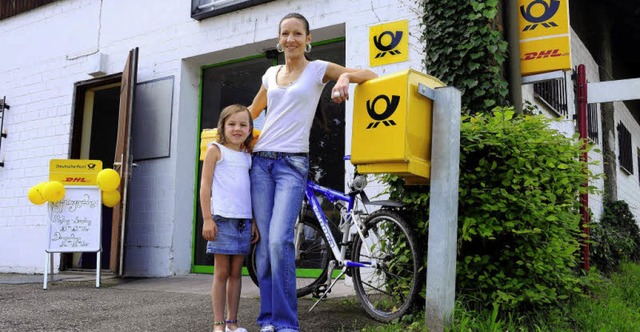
pixel 287 79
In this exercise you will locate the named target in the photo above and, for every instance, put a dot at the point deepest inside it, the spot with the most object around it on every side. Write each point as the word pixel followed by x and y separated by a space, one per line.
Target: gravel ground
pixel 79 306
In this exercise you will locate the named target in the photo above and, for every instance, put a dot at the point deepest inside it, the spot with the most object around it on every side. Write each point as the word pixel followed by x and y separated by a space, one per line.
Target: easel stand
pixel 75 225
pixel 48 268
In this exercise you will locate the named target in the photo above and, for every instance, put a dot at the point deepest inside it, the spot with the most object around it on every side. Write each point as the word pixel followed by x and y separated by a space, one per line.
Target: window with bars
pixel 624 144
pixel 592 122
pixel 553 93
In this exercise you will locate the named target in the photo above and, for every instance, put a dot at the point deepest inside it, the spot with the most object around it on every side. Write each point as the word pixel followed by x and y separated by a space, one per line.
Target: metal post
pixel 51 262
pixel 98 267
pixel 513 38
pixel 46 270
pixel 443 207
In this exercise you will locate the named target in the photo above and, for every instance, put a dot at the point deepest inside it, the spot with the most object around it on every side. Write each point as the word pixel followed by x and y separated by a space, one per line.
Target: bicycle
pixel 378 250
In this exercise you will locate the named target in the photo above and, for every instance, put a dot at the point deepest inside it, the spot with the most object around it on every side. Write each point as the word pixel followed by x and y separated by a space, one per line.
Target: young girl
pixel 225 198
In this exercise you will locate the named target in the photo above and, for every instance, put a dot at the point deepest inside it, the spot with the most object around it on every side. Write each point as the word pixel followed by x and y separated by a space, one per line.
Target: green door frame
pixel 208 269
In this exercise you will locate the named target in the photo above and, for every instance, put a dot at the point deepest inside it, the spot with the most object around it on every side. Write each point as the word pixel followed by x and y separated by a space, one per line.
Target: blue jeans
pixel 234 237
pixel 277 189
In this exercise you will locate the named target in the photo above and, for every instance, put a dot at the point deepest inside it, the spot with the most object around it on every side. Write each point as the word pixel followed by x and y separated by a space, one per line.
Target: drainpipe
pixel 581 97
pixel 513 38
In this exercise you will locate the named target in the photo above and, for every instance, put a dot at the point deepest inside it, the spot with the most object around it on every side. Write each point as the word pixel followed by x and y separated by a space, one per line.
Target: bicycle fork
pixel 346 263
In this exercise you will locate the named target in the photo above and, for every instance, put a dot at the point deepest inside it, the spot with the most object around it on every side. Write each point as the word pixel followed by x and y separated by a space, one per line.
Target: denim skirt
pixel 234 237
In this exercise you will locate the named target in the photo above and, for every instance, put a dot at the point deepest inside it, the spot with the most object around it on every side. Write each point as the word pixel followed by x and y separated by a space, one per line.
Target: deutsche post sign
pixel 544 36
pixel 74 172
pixel 389 43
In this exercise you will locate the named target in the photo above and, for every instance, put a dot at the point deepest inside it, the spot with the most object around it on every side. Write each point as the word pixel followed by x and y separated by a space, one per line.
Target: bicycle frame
pixel 357 227
pixel 376 247
pixel 348 218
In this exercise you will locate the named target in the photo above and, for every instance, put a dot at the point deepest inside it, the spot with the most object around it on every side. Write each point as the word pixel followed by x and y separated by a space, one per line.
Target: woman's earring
pixel 307 48
pixel 279 48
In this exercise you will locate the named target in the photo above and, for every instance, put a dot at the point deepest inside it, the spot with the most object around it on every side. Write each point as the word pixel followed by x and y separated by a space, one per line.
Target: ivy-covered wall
pixel 466 48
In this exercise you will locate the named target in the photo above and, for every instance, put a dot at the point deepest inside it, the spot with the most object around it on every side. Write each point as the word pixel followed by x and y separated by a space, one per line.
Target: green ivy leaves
pixel 465 48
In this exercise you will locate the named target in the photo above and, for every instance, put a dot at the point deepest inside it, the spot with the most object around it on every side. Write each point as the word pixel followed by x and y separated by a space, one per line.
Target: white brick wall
pixel 580 55
pixel 38 83
pixel 628 184
pixel 38 79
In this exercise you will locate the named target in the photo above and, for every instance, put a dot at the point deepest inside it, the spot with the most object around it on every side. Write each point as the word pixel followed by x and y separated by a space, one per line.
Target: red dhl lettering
pixel 75 180
pixel 542 54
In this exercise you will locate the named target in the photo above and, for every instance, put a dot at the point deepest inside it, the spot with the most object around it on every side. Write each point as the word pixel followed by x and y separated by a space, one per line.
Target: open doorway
pixel 95 126
pixel 102 112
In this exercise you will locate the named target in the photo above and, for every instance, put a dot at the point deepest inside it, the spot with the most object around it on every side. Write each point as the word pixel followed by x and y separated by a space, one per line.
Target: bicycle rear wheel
pixel 387 291
pixel 313 255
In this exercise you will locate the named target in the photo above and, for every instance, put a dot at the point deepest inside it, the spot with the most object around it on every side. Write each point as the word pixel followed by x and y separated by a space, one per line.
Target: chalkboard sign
pixel 75 222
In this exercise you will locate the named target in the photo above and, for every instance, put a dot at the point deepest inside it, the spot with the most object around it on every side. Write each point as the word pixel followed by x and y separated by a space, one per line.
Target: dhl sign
pixel 544 36
pixel 74 172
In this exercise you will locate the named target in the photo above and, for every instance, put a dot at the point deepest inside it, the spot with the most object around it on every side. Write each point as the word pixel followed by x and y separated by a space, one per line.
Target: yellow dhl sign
pixel 75 172
pixel 545 43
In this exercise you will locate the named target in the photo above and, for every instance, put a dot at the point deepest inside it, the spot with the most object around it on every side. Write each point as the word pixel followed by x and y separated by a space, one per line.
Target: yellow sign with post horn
pixel 545 43
pixel 389 43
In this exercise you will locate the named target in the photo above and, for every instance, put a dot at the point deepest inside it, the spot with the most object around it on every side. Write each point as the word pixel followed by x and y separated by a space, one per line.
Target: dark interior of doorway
pixel 102 146
pixel 238 82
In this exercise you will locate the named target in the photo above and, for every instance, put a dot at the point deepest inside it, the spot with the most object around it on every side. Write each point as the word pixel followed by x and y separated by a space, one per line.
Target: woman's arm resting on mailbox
pixel 343 77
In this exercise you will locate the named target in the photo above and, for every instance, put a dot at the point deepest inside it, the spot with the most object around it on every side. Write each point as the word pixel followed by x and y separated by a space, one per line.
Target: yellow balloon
pixel 35 195
pixel 108 179
pixel 54 191
pixel 110 198
pixel 40 187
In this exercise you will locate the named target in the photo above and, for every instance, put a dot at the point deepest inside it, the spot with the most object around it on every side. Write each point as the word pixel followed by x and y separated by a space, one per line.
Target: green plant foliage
pixel 465 48
pixel 518 228
pixel 612 305
pixel 616 238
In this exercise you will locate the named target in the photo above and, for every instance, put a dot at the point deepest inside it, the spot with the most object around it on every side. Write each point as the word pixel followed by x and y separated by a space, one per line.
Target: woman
pixel 280 163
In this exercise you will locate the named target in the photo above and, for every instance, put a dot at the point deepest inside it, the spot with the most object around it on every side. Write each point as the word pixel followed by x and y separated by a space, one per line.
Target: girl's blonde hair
pixel 225 114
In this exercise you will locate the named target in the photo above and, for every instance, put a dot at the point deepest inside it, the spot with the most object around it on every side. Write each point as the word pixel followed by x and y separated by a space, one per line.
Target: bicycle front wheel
pixel 312 257
pixel 387 290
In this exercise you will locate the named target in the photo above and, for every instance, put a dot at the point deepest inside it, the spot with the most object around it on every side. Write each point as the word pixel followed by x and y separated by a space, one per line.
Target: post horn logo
pixel 549 10
pixel 395 40
pixel 392 104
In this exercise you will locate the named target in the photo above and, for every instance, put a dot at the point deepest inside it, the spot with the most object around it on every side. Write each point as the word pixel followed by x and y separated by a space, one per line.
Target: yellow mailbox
pixel 392 126
pixel 206 137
